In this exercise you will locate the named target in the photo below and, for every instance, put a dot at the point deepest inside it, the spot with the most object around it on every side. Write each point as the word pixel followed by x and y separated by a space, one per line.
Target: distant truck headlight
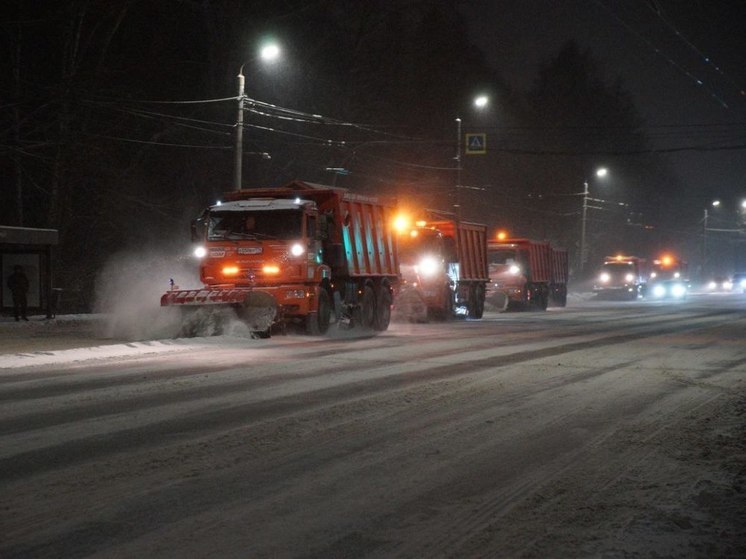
pixel 604 278
pixel 727 285
pixel 428 266
pixel 629 277
pixel 678 290
pixel 659 291
pixel 297 249
pixel 200 252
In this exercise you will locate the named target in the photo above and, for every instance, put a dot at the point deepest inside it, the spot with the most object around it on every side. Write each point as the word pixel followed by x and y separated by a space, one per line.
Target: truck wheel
pixel 367 312
pixel 446 311
pixel 383 308
pixel 317 323
pixel 476 302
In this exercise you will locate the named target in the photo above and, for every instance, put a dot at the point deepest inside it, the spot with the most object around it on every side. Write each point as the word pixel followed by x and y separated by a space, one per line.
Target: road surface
pixel 598 430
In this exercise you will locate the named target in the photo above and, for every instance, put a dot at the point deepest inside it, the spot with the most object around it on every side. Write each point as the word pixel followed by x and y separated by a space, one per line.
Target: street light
pixel 269 53
pixel 714 204
pixel 601 172
pixel 480 102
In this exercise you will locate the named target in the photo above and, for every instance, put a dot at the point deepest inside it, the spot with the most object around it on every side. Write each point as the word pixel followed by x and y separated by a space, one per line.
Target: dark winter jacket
pixel 18 283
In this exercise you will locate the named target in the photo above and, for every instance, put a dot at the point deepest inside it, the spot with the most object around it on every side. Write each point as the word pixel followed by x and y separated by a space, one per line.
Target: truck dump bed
pixel 360 226
pixel 471 246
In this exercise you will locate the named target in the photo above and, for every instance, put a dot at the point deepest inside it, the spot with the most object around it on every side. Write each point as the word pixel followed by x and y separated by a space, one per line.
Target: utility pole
pixel 581 263
pixel 458 168
pixel 238 154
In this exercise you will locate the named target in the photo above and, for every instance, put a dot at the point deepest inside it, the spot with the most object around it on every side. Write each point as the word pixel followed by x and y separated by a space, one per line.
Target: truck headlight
pixel 629 277
pixel 514 270
pixel 200 252
pixel 428 266
pixel 659 291
pixel 678 290
pixel 297 249
pixel 604 278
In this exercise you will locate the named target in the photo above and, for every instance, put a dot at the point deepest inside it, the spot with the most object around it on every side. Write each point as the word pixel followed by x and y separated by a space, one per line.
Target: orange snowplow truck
pixel 443 265
pixel 526 273
pixel 303 253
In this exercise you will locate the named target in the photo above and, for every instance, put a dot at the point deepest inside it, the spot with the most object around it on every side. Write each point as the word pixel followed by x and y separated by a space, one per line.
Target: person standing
pixel 19 285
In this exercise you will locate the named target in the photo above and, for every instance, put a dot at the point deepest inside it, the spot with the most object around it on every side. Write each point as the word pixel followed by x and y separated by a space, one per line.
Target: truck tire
pixel 476 302
pixel 367 310
pixel 446 311
pixel 383 308
pixel 317 323
pixel 542 300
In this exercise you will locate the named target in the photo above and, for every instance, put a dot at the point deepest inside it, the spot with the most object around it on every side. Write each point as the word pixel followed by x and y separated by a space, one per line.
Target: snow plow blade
pixel 258 309
pixel 206 297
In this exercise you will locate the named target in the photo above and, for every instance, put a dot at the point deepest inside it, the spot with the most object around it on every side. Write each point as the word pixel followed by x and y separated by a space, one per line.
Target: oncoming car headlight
pixel 428 266
pixel 659 291
pixel 514 270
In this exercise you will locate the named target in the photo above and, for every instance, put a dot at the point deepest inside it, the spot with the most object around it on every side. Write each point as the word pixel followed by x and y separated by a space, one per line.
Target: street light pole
pixel 238 149
pixel 581 263
pixel 269 53
pixel 704 244
pixel 458 168
pixel 601 172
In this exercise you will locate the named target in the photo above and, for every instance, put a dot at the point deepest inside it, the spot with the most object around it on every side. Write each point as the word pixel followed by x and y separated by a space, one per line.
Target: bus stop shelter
pixel 32 249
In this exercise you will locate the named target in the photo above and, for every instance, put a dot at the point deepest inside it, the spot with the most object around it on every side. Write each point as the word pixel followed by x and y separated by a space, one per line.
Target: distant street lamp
pixel 480 102
pixel 600 173
pixel 714 204
pixel 268 53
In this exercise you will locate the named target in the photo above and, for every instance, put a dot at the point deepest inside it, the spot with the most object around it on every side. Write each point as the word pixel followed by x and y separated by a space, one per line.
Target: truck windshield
pixel 502 256
pixel 615 269
pixel 414 247
pixel 233 225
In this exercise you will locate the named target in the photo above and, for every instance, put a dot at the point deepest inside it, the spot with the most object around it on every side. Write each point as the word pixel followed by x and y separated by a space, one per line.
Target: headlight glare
pixel 428 266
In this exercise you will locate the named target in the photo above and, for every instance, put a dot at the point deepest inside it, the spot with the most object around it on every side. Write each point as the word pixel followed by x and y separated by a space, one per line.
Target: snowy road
pixel 602 429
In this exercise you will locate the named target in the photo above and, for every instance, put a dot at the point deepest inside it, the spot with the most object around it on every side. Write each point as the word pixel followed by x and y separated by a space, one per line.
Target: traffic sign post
pixel 476 144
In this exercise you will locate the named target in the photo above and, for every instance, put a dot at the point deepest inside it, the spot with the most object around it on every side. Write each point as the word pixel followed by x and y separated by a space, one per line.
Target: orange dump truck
pixel 443 265
pixel 526 273
pixel 302 253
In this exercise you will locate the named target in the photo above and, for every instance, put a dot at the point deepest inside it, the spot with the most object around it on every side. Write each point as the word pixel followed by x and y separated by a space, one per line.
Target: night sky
pixel 99 144
pixel 684 63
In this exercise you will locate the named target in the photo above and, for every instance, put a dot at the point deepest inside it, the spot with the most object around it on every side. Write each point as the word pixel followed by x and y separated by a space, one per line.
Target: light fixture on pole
pixel 582 256
pixel 715 204
pixel 480 102
pixel 269 53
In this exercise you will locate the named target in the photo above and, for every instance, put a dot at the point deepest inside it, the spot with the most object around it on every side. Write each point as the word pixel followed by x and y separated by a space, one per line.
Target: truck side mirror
pixel 198 228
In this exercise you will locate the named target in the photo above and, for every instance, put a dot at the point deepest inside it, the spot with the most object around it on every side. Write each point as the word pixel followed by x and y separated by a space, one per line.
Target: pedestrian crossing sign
pixel 476 144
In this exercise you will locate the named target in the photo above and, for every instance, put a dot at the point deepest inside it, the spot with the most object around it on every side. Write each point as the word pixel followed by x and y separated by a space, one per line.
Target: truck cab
pixel 259 242
pixel 429 272
pixel 621 277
